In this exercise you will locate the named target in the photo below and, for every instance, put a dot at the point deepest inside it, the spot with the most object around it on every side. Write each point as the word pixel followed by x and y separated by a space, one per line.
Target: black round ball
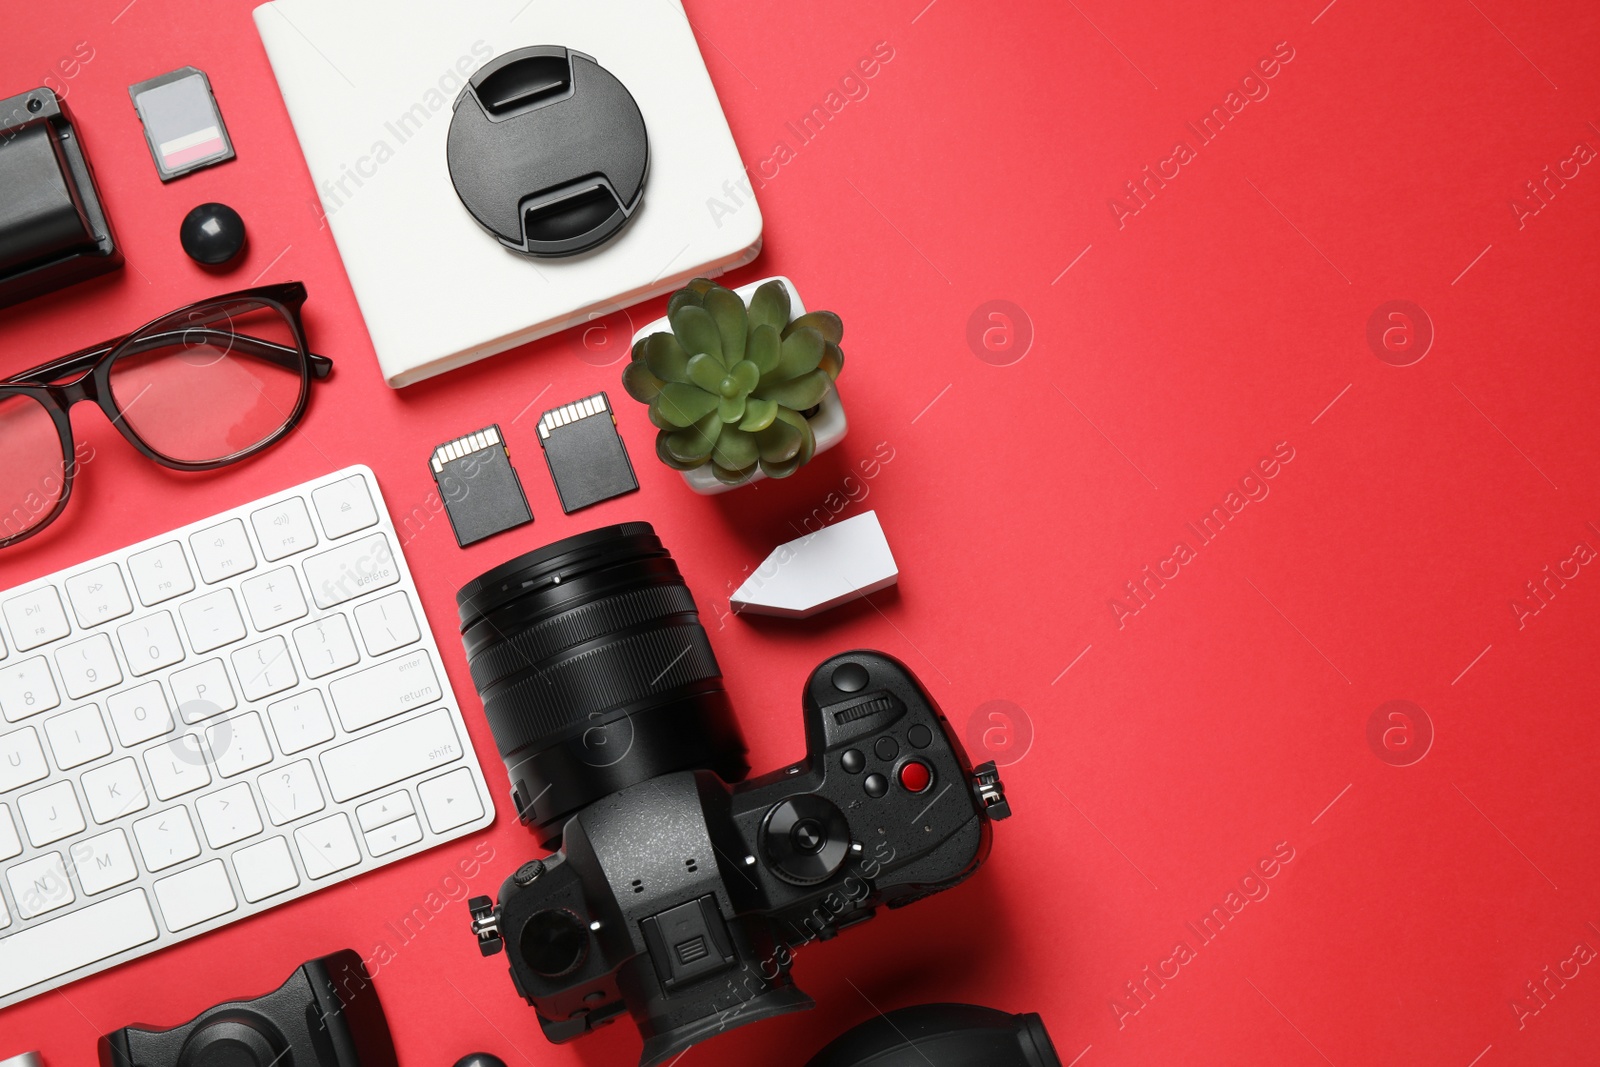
pixel 480 1059
pixel 212 234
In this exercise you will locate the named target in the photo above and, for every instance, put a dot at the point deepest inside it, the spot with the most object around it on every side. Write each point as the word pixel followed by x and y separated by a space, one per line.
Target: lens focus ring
pixel 581 690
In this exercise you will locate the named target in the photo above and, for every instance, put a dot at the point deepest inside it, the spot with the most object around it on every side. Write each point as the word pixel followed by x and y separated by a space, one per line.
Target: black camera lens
pixel 595 673
pixel 554 943
pixel 943 1035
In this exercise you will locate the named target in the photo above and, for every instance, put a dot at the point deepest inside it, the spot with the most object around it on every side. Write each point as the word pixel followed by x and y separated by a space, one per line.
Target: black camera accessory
pixel 595 673
pixel 943 1035
pixel 547 150
pixel 53 229
pixel 326 1015
pixel 472 1059
pixel 181 122
pixel 212 234
pixel 588 461
pixel 479 487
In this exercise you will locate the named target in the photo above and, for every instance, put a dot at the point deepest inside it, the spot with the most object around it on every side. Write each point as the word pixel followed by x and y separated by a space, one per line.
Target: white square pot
pixel 828 425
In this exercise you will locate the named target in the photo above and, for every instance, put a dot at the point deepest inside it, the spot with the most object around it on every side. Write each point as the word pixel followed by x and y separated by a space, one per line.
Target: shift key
pixel 405 683
pixel 351 570
pixel 391 755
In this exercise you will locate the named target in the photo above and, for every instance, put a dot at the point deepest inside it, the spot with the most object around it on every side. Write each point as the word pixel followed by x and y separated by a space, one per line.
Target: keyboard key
pixel 150 643
pixel 10 843
pixel 212 620
pixel 36 618
pixel 326 646
pixel 114 790
pixel 238 745
pixel 222 551
pixel 203 691
pixel 88 666
pixel 402 684
pixel 160 573
pixel 26 688
pixel 344 506
pixel 351 570
pixel 98 596
pixel 76 737
pixel 273 598
pixel 283 528
pixel 50 949
pixel 290 792
pixel 21 759
pixel 264 668
pixel 103 861
pixel 166 838
pixel 195 895
pixel 450 800
pixel 140 713
pixel 178 767
pixel 51 813
pixel 387 623
pixel 391 755
pixel 300 721
pixel 40 885
pixel 228 815
pixel 327 845
pixel 384 810
pixel 394 836
pixel 265 870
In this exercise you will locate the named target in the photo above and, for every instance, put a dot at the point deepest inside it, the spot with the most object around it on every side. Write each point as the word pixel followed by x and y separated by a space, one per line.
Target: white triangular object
pixel 821 570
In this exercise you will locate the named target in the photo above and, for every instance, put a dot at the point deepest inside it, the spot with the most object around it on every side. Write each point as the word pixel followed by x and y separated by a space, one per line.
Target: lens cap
pixel 547 150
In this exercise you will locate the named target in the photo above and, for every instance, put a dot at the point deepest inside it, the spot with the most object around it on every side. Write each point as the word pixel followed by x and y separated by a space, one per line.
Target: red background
pixel 1223 718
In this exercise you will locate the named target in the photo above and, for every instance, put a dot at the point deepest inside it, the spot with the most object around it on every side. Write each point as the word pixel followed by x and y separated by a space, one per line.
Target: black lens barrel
pixel 595 672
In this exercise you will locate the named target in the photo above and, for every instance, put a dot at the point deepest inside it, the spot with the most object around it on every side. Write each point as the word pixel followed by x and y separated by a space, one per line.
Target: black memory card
pixel 479 487
pixel 587 459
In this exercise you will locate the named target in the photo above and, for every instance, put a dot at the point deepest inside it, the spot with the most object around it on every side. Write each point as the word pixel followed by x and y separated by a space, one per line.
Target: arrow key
pixel 397 835
pixel 327 845
pixel 384 810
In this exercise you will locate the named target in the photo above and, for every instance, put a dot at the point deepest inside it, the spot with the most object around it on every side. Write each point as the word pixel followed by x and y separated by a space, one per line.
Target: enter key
pixel 382 692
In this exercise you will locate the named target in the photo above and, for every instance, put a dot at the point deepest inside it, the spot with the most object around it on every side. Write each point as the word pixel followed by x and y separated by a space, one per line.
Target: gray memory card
pixel 182 125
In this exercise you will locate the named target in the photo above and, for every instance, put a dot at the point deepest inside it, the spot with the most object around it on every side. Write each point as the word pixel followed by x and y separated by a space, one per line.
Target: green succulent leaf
pixel 666 358
pixel 801 354
pixel 735 450
pixel 682 298
pixel 640 383
pixel 779 443
pixel 728 312
pixel 702 286
pixel 770 306
pixel 780 470
pixel 808 439
pixel 758 414
pixel 746 375
pixel 731 408
pixel 764 348
pixel 638 349
pixel 732 477
pixel 707 372
pixel 697 332
pixel 693 444
pixel 832 360
pixel 682 405
pixel 668 458
pixel 829 325
pixel 797 395
pixel 655 417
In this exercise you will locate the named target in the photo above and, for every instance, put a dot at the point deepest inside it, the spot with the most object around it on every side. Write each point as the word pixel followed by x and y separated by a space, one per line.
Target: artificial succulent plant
pixel 732 386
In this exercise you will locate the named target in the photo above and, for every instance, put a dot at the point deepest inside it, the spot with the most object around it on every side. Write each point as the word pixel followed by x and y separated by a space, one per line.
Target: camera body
pixel 683 899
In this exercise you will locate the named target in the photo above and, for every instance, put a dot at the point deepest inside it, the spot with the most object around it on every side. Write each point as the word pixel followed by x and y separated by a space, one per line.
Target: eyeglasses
pixel 202 387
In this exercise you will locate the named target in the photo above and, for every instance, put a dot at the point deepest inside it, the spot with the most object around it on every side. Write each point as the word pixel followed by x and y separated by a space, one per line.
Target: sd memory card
pixel 479 487
pixel 587 459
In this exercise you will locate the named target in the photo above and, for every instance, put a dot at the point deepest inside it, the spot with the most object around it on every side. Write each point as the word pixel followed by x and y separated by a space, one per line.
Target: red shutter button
pixel 915 776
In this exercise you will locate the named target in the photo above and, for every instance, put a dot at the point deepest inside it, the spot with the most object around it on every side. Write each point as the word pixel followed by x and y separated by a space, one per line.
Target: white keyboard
pixel 212 722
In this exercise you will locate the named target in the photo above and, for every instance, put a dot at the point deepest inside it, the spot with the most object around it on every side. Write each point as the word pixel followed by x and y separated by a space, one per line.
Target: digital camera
pixel 677 895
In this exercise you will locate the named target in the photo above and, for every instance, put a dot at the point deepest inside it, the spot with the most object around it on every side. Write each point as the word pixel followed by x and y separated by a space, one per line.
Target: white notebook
pixel 370 86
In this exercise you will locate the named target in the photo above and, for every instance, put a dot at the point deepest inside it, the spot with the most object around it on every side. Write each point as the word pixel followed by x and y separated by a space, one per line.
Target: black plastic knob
pixel 212 234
